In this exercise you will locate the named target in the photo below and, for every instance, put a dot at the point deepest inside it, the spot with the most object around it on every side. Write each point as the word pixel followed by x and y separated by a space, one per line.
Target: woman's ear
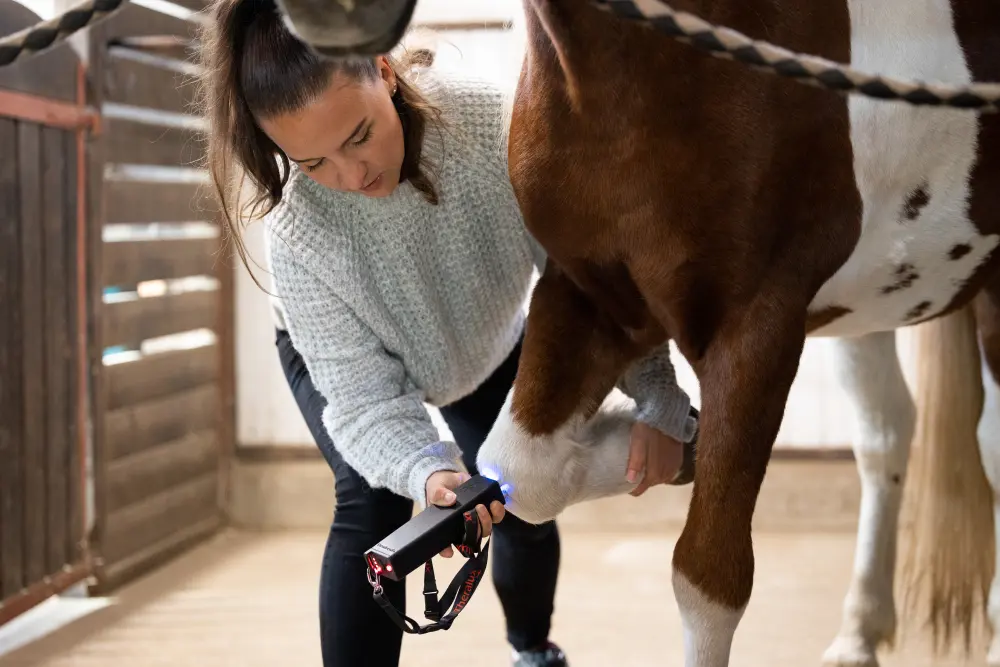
pixel 387 74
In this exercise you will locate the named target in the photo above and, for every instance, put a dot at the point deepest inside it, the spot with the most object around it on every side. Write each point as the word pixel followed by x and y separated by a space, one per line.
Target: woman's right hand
pixel 439 489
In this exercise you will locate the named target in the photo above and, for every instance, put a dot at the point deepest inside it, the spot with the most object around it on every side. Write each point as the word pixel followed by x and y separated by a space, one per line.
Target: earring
pixel 394 86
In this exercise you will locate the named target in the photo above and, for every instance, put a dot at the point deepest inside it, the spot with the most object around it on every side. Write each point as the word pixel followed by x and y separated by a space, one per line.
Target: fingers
pixel 485 521
pixel 641 489
pixel 637 453
pixel 498 511
pixel 662 457
pixel 441 492
pixel 442 495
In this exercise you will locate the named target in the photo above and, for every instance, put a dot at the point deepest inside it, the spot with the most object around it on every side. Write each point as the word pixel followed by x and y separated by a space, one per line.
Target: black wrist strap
pixel 443 612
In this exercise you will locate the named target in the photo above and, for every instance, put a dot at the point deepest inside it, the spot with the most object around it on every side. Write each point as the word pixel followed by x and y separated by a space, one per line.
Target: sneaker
pixel 550 656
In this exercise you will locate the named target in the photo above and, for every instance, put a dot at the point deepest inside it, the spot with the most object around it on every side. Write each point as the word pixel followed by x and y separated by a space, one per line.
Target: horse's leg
pixel 541 447
pixel 884 416
pixel 988 320
pixel 745 377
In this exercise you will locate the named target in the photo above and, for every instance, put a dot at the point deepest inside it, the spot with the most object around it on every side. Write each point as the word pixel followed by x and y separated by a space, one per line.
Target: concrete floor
pixel 248 600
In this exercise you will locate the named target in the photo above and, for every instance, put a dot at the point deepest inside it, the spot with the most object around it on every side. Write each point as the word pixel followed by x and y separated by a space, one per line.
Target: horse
pixel 692 199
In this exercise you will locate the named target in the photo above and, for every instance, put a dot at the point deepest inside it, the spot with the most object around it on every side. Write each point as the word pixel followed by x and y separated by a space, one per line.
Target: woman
pixel 402 265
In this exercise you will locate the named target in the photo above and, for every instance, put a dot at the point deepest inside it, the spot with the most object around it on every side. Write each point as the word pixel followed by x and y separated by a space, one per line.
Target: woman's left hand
pixel 441 484
pixel 659 455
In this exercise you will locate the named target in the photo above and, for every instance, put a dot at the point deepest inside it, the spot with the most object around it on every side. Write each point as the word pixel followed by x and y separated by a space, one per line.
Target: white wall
pixel 266 413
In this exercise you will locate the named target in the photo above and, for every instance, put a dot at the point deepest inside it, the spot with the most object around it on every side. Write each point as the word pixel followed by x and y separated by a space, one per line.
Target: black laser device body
pixel 431 531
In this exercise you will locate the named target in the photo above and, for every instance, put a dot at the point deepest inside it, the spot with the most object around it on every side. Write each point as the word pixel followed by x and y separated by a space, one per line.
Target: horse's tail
pixel 949 563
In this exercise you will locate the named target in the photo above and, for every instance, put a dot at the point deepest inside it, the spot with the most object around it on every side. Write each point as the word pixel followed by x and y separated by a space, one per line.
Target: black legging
pixel 354 630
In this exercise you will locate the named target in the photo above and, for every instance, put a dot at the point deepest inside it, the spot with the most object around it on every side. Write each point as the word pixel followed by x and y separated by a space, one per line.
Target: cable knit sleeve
pixel 374 415
pixel 652 383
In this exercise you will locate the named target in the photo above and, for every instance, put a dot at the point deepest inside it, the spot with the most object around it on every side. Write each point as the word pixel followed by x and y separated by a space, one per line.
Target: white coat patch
pixel 912 167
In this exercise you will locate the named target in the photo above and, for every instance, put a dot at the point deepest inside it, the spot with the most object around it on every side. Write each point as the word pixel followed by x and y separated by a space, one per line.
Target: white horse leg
pixel 543 474
pixel 885 417
pixel 989 449
pixel 709 627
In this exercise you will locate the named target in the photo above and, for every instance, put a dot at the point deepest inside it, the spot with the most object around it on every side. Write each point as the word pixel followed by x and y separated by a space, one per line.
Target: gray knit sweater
pixel 395 302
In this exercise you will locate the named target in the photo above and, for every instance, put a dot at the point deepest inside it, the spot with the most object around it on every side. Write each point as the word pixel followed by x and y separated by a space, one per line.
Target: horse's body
pixel 688 198
pixel 683 196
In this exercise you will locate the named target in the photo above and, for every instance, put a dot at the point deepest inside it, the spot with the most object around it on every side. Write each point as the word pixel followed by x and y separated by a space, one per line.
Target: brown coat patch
pixel 987 308
pixel 976 23
pixel 821 318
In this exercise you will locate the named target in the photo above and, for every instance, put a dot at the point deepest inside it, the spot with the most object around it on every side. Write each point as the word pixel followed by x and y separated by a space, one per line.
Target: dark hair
pixel 253 67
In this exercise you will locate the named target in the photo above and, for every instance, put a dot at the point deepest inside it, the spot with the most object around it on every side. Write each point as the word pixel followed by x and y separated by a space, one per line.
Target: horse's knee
pixel 544 474
pixel 884 411
pixel 882 445
pixel 535 474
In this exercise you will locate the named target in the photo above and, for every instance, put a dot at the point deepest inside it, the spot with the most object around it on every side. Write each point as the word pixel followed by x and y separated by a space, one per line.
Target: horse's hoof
pixel 685 474
pixel 850 651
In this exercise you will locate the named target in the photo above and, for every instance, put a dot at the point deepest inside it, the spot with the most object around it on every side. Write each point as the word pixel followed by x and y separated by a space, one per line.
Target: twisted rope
pixel 46 34
pixel 729 44
pixel 719 41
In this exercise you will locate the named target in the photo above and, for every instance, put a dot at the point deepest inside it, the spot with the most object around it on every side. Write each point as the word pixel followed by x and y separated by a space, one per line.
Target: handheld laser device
pixel 431 531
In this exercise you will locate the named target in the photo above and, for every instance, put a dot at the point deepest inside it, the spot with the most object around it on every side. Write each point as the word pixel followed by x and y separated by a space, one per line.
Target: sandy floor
pixel 246 600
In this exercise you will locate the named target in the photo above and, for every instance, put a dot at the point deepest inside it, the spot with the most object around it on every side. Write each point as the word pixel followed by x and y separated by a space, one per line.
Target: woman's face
pixel 349 138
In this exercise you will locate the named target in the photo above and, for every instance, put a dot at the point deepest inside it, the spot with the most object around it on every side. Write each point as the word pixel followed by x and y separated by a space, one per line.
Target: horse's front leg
pixel 745 377
pixel 542 447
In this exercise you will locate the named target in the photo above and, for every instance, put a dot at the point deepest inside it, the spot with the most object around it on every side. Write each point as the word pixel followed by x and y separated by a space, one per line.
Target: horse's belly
pixel 912 167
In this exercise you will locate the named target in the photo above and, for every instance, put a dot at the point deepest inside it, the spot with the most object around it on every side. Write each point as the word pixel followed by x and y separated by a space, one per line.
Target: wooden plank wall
pixel 43 546
pixel 167 406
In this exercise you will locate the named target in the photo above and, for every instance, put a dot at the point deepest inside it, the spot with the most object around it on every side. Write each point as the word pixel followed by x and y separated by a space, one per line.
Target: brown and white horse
pixel 686 198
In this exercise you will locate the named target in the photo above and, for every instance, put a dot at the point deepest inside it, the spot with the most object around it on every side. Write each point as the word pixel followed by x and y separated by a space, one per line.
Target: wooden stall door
pixel 43 324
pixel 167 305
